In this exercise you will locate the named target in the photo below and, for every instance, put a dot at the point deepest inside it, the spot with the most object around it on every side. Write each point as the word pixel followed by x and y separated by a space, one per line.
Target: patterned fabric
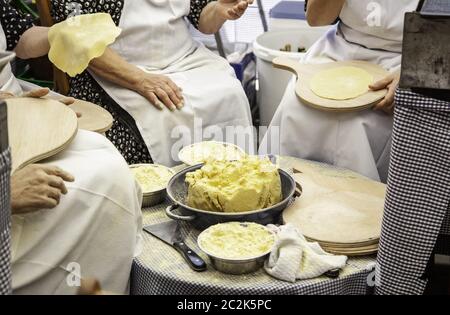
pixel 5 213
pixel 14 23
pixel 418 196
pixel 124 133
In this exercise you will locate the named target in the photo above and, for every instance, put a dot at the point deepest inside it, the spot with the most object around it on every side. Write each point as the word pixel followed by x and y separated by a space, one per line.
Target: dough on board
pixel 79 39
pixel 341 83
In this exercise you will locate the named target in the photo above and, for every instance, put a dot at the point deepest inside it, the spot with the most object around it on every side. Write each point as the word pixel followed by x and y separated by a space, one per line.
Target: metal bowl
pixel 235 266
pixel 201 219
pixel 156 197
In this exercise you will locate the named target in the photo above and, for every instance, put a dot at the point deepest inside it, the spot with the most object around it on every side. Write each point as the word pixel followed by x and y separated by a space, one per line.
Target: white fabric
pixel 294 258
pixel 383 26
pixel 8 82
pixel 96 225
pixel 155 37
pixel 359 141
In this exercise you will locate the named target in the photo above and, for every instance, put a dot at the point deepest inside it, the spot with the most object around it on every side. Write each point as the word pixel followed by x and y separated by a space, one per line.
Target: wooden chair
pixel 60 78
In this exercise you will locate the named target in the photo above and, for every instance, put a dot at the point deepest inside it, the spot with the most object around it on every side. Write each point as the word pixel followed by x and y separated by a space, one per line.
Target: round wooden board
pixel 363 252
pixel 38 129
pixel 347 245
pixel 343 211
pixel 305 72
pixel 93 117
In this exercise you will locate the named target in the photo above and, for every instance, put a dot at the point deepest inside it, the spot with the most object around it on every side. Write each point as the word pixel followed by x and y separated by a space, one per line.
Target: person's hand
pixel 42 92
pixel 39 93
pixel 37 187
pixel 161 91
pixel 232 9
pixel 391 83
pixel 5 95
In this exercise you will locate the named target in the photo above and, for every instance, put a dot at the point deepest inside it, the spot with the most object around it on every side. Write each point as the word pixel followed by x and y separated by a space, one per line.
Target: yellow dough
pixel 236 240
pixel 152 177
pixel 341 83
pixel 234 186
pixel 78 40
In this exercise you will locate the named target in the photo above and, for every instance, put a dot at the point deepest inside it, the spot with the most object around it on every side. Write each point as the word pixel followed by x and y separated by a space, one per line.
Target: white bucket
pixel 273 82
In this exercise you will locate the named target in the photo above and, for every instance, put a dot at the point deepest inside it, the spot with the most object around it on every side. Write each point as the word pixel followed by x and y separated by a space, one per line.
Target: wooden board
pixel 362 252
pixel 337 208
pixel 93 117
pixel 306 72
pixel 38 129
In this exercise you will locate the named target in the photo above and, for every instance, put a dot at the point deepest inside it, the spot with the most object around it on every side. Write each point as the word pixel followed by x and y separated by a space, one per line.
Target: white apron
pixel 96 226
pixel 155 37
pixel 94 232
pixel 358 141
pixel 8 82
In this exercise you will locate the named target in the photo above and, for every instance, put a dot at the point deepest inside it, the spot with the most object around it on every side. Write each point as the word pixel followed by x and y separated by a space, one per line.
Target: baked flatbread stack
pixel 340 210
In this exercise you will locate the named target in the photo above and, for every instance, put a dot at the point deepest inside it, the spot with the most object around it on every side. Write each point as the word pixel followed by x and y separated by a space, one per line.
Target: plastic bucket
pixel 273 82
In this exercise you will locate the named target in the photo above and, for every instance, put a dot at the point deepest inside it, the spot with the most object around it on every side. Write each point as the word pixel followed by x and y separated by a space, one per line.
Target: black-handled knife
pixel 170 233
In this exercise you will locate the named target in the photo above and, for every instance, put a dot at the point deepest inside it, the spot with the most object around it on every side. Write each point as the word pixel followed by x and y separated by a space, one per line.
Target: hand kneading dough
pixel 234 186
pixel 341 83
pixel 79 39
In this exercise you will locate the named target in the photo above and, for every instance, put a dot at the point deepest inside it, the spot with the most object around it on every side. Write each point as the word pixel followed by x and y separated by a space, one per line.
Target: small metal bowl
pixel 236 266
pixel 153 198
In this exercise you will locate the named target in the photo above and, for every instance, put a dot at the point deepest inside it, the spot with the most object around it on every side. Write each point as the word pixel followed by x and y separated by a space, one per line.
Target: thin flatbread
pixel 341 83
pixel 79 39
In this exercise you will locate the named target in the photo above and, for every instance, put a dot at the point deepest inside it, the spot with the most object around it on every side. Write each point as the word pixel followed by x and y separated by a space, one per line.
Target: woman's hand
pixel 232 9
pixel 37 187
pixel 160 90
pixel 218 12
pixel 39 93
pixel 391 83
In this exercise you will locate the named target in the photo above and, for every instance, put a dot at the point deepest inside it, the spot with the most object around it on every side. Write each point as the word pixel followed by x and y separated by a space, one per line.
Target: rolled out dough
pixel 341 83
pixel 79 39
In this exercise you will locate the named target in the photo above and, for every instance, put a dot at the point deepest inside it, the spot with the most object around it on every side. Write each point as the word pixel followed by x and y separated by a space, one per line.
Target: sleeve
pixel 14 23
pixel 197 7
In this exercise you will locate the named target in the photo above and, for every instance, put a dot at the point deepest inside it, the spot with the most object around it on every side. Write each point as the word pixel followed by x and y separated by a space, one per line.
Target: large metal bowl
pixel 202 219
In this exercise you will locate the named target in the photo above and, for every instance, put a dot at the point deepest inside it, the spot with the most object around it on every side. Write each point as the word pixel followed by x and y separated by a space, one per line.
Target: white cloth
pixel 155 37
pixel 294 258
pixel 359 141
pixel 8 82
pixel 97 225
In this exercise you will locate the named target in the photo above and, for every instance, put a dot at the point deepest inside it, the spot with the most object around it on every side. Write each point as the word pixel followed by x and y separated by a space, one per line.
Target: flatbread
pixel 337 209
pixel 341 83
pixel 79 39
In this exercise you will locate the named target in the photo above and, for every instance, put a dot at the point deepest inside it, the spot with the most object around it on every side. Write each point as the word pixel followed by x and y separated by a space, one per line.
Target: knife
pixel 170 233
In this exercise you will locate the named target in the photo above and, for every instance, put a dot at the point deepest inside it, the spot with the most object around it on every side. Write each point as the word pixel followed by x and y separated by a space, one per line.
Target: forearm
pixel 323 12
pixel 210 20
pixel 33 43
pixel 112 67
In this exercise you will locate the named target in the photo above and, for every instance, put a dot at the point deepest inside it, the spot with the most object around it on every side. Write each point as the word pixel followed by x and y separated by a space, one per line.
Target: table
pixel 161 270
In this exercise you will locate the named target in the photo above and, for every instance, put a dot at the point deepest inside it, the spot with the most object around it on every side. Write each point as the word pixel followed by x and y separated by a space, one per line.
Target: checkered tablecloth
pixel 161 270
pixel 418 198
pixel 5 214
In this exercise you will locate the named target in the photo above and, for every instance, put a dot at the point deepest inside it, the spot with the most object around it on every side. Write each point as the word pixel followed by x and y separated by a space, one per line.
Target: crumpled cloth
pixel 294 258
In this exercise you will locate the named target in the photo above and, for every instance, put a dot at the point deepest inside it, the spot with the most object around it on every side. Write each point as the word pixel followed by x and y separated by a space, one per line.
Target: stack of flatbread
pixel 340 210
